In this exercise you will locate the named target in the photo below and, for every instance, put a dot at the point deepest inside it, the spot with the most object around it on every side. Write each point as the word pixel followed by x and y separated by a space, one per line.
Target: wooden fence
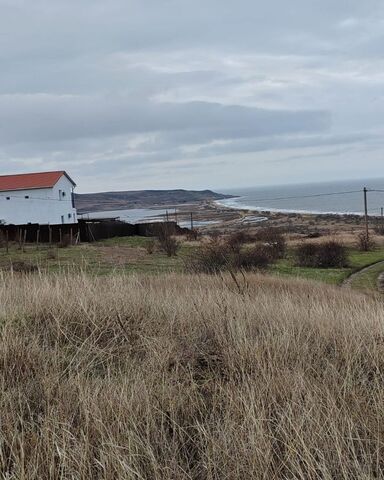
pixel 84 231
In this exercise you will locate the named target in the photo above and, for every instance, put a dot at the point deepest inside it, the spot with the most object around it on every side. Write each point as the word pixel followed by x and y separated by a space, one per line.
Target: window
pixel 63 194
pixel 26 196
pixel 62 219
pixel 69 215
pixel 8 198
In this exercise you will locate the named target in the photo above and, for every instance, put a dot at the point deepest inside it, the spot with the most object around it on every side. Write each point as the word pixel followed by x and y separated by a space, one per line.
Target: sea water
pixel 341 197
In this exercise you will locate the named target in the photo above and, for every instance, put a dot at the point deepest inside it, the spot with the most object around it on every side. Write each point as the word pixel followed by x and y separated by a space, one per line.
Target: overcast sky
pixel 141 94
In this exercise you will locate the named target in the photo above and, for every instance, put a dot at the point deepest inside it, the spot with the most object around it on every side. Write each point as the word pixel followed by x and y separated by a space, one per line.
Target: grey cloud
pixel 26 118
pixel 135 85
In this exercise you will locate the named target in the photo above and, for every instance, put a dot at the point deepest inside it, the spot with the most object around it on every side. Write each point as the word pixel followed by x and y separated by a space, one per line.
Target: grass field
pixel 126 254
pixel 333 276
pixel 129 255
pixel 178 377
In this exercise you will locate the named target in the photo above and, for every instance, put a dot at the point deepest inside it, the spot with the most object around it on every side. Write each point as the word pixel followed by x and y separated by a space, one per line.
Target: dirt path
pixel 348 281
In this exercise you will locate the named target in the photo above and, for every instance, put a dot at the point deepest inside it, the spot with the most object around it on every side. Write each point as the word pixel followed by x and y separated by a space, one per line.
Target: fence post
pixel 24 239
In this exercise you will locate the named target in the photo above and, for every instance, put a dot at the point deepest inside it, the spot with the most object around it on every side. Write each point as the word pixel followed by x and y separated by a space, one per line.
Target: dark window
pixel 26 196
pixel 69 215
pixel 63 194
pixel 8 198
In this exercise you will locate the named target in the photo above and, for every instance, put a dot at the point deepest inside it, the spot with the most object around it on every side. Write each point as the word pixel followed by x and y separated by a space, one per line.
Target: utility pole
pixel 366 212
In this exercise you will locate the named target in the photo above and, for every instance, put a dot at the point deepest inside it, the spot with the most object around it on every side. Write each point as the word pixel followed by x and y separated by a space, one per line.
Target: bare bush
pixel 253 258
pixel 218 255
pixel 23 267
pixel 236 241
pixel 183 377
pixel 193 234
pixel 365 243
pixel 212 257
pixel 150 246
pixel 322 255
pixel 273 239
pixel 167 242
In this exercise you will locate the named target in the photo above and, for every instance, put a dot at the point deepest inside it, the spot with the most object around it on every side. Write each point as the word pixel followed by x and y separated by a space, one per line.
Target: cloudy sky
pixel 133 94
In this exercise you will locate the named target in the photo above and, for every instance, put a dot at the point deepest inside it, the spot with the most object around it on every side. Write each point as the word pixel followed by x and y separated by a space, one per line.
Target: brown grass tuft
pixel 189 377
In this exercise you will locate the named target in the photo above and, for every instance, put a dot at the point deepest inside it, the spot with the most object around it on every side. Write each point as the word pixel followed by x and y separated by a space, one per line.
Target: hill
pixel 104 201
pixel 189 377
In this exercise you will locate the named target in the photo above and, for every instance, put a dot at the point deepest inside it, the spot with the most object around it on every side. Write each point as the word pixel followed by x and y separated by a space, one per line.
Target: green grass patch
pixel 334 276
pixel 129 255
pixel 367 280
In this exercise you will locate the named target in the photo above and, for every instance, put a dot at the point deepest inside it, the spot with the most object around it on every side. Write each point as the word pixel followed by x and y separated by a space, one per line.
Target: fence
pixel 84 231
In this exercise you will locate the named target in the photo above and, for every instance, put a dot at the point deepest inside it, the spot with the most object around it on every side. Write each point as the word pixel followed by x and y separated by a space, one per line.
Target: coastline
pixel 217 216
pixel 226 203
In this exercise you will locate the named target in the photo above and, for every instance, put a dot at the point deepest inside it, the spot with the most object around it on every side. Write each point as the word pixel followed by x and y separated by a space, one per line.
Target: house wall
pixel 44 205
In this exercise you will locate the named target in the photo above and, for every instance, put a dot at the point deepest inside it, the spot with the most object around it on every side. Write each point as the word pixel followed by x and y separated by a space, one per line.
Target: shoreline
pixel 217 216
pixel 251 208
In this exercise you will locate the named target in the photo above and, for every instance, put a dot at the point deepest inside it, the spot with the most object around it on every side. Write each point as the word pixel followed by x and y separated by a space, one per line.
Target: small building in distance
pixel 44 198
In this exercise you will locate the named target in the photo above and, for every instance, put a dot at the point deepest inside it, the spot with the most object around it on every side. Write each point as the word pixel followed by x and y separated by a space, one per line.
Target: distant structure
pixel 44 198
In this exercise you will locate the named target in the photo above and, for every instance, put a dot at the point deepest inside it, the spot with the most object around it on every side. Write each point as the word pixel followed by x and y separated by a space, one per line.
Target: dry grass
pixel 183 377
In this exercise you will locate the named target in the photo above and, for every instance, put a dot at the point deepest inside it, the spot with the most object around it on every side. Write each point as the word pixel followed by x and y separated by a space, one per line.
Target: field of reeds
pixel 189 377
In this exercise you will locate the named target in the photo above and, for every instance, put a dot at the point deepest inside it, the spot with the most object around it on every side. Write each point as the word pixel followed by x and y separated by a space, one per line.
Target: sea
pixel 132 215
pixel 334 197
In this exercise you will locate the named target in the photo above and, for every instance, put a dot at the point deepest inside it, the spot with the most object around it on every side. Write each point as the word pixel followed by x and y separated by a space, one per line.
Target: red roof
pixel 27 181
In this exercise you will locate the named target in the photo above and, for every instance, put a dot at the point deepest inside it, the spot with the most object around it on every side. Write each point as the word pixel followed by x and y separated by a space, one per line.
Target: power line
pixel 306 196
pixel 292 197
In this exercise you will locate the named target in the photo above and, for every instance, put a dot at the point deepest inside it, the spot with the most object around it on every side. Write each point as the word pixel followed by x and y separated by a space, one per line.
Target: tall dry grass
pixel 189 377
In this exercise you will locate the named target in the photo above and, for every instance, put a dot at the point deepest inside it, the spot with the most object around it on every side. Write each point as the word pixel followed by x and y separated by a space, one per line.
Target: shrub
pixel 193 235
pixel 168 244
pixel 365 242
pixel 23 267
pixel 322 255
pixel 332 254
pixel 306 255
pixel 237 240
pixel 210 258
pixel 257 257
pixel 274 240
pixel 217 256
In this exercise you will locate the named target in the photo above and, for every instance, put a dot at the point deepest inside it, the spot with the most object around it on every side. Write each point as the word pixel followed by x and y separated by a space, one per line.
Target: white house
pixel 45 198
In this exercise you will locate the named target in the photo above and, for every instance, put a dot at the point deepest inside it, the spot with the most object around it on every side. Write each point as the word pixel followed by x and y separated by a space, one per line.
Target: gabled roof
pixel 27 181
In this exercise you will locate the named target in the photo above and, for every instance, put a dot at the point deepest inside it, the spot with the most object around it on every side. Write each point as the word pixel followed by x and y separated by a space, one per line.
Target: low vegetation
pixel 328 254
pixel 179 377
pixel 365 243
pixel 267 250
pixel 238 251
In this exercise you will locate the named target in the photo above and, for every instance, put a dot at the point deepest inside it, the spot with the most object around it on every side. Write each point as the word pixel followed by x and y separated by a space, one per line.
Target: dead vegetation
pixel 189 377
